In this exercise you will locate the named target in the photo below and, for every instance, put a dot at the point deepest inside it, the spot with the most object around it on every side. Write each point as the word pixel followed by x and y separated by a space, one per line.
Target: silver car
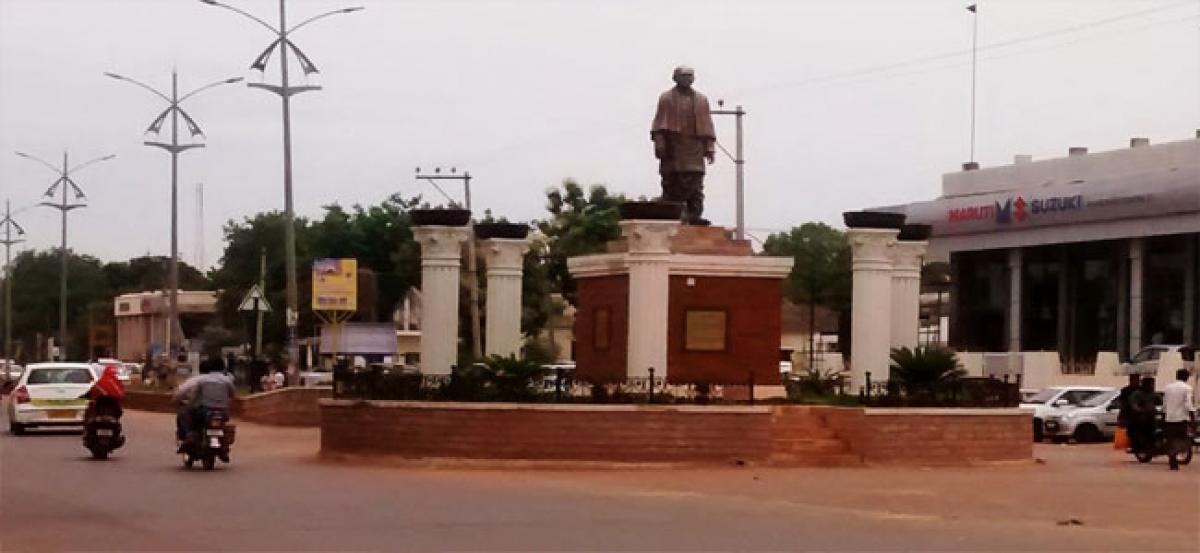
pixel 1054 398
pixel 1093 420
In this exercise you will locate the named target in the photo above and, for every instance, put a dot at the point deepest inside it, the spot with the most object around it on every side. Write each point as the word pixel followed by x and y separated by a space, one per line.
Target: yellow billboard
pixel 335 285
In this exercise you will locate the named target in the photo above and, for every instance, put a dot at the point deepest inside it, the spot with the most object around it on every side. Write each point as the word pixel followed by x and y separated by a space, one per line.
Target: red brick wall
pixel 157 402
pixel 287 407
pixel 949 438
pixel 629 433
pixel 594 294
pixel 753 317
pixel 623 433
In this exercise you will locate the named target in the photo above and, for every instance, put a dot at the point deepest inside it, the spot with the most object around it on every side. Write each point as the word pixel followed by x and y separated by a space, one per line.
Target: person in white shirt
pixel 1179 412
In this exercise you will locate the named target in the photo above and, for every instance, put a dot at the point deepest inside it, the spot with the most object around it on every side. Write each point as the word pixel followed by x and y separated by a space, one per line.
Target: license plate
pixel 104 432
pixel 216 432
pixel 58 402
pixel 62 414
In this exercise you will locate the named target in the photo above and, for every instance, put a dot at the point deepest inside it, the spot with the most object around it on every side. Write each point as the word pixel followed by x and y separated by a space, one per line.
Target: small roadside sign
pixel 254 301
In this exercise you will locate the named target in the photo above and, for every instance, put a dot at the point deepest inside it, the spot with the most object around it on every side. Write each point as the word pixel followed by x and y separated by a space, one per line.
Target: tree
pixel 580 223
pixel 35 296
pixel 379 237
pixel 148 273
pixel 821 274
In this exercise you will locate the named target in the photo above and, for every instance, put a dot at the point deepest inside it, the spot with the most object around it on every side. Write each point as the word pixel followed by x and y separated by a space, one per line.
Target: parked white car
pixel 49 394
pixel 123 372
pixel 316 377
pixel 1056 397
pixel 1093 420
pixel 1145 361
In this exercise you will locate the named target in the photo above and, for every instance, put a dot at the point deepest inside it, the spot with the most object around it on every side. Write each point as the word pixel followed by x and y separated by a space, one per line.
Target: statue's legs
pixel 686 187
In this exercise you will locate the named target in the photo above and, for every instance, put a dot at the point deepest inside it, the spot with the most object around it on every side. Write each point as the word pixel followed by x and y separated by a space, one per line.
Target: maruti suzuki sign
pixel 1078 202
pixel 1015 210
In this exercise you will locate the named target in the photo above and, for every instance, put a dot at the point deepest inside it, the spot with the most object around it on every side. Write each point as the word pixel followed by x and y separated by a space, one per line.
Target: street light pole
pixel 9 224
pixel 739 162
pixel 472 263
pixel 174 148
pixel 285 91
pixel 64 180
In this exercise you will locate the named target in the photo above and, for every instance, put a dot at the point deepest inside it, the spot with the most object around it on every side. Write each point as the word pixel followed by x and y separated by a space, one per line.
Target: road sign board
pixel 254 300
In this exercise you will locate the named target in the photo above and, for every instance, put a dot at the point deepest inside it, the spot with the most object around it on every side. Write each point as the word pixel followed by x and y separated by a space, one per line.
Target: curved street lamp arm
pixel 243 13
pixel 322 16
pixel 86 163
pixel 137 83
pixel 208 86
pixel 42 161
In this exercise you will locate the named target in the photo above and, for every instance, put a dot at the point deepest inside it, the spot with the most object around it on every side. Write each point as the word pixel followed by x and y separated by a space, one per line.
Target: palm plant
pixel 924 368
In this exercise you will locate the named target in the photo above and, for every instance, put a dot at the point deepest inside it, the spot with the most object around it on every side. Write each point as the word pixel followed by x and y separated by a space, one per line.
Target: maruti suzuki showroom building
pixel 1080 255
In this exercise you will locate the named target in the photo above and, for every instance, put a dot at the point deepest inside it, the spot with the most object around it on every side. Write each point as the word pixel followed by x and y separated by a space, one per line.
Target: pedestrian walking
pixel 1179 412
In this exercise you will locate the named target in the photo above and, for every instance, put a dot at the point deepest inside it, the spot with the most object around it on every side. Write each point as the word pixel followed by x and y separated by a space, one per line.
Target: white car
pixel 1093 420
pixel 123 372
pixel 49 394
pixel 14 370
pixel 1055 397
pixel 1145 361
pixel 316 377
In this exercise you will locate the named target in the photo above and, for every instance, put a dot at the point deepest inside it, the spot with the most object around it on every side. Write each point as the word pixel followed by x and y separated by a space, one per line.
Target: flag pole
pixel 974 9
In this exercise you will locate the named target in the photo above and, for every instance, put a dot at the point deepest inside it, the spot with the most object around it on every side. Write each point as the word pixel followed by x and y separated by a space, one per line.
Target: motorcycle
pixel 102 427
pixel 1159 447
pixel 210 441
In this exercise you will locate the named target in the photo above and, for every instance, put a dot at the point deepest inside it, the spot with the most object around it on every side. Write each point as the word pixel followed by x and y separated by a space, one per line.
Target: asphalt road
pixel 277 496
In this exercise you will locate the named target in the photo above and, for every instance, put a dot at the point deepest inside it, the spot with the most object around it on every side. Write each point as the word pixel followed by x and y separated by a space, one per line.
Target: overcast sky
pixel 525 93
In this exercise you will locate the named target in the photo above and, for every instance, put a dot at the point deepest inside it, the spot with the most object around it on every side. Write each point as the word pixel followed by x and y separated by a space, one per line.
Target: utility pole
pixel 258 312
pixel 201 261
pixel 174 148
pixel 8 224
pixel 64 180
pixel 472 264
pixel 739 162
pixel 285 91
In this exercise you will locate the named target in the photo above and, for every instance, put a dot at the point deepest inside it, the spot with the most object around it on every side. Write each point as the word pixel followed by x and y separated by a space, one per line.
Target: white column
pixel 1136 253
pixel 906 293
pixel 441 262
pixel 1015 262
pixel 504 258
pixel 871 307
pixel 649 285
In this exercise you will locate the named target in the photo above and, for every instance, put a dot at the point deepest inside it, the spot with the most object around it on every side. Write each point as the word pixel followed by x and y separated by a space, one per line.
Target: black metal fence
pixel 559 386
pixel 552 386
pixel 961 392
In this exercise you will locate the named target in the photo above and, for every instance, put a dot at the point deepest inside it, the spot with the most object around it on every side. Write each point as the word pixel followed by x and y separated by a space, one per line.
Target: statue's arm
pixel 660 144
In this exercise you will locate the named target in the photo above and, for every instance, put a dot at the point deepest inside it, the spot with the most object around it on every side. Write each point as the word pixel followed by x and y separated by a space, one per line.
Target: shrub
pixel 513 379
pixel 922 370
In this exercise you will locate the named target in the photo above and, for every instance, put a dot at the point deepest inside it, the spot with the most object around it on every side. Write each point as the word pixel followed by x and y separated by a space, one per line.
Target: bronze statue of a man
pixel 683 139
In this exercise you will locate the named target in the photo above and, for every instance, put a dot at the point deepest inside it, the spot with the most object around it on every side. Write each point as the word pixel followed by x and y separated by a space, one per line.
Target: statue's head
pixel 684 76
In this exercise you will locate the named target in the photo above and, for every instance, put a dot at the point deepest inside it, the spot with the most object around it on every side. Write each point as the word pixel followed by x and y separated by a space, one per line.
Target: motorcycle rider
pixel 211 389
pixel 106 395
pixel 1142 414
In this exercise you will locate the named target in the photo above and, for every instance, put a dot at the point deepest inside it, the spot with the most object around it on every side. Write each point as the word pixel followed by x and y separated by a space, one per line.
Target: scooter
pixel 210 441
pixel 102 427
